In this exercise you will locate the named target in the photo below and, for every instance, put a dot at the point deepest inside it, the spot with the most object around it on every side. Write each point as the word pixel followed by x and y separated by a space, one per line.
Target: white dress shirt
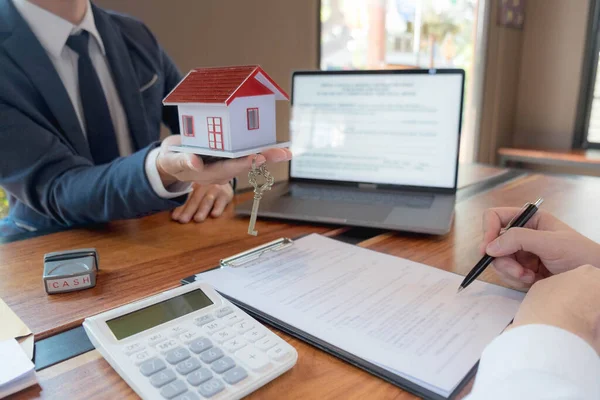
pixel 538 362
pixel 53 32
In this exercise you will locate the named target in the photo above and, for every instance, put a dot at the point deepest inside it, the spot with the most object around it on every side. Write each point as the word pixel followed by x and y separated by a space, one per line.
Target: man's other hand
pixel 204 200
pixel 570 301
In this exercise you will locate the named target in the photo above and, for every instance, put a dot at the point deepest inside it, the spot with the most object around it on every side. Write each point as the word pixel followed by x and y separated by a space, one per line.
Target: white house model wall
pixel 242 136
pixel 200 114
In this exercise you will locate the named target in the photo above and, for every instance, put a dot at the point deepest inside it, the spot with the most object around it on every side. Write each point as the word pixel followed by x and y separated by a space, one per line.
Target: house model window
pixel 188 125
pixel 252 115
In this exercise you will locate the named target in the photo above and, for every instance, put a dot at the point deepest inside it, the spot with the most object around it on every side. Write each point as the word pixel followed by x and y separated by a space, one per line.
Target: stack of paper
pixel 16 352
pixel 16 370
pixel 399 315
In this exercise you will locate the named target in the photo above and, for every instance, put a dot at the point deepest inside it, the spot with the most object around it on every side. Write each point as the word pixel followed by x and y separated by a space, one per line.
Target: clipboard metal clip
pixel 250 255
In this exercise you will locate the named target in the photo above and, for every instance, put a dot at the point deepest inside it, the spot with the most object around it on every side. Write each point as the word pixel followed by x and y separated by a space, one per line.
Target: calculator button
pixel 141 356
pixel 255 334
pixel 211 355
pixel 253 358
pixel 243 326
pixel 211 387
pixel 189 365
pixel 176 330
pixel 189 336
pixel 187 396
pixel 152 366
pixel 214 326
pixel 223 311
pixel 166 346
pixel 222 365
pixel 278 352
pixel 162 378
pixel 204 319
pixel 223 335
pixel 235 375
pixel 133 348
pixel 232 319
pixel 199 376
pixel 176 355
pixel 199 345
pixel 235 344
pixel 156 338
pixel 266 343
pixel 173 389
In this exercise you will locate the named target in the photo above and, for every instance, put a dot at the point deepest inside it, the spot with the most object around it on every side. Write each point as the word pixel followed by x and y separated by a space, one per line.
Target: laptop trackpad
pixel 407 216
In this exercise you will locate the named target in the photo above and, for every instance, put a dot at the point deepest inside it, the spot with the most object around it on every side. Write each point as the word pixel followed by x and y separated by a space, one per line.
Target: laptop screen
pixel 396 128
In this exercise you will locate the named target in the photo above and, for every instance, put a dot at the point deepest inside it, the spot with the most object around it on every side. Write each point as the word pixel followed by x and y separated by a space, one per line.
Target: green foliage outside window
pixel 3 204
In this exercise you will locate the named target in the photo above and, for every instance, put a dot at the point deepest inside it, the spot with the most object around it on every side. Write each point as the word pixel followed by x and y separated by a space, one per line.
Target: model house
pixel 226 108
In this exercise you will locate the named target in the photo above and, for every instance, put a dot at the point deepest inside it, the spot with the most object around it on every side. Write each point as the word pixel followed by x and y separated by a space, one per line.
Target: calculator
pixel 189 343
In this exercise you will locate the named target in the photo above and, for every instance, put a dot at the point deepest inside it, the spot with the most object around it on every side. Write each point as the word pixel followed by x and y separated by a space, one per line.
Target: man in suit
pixel 80 115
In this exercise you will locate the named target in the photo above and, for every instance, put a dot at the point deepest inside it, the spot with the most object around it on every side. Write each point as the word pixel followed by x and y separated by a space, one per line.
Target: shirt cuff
pixel 175 190
pixel 540 350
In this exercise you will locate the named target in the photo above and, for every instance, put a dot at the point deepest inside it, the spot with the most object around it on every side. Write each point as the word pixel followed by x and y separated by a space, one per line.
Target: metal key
pixel 258 191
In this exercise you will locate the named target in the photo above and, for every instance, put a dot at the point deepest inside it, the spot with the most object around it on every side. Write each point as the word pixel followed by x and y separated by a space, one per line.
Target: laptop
pixel 374 149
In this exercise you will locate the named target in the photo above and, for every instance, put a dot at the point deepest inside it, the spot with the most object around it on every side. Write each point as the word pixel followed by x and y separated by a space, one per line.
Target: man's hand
pixel 545 246
pixel 204 199
pixel 186 167
pixel 570 301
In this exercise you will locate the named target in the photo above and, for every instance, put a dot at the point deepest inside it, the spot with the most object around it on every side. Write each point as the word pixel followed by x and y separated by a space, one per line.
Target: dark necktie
pixel 98 124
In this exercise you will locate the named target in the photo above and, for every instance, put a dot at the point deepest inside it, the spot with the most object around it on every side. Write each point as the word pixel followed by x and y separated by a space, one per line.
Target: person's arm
pixel 43 172
pixel 538 362
pixel 551 349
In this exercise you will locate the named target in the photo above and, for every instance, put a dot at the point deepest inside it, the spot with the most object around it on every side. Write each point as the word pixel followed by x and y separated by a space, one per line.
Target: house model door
pixel 215 133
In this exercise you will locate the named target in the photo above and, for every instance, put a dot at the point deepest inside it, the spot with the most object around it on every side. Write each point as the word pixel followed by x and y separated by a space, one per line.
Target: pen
pixel 519 221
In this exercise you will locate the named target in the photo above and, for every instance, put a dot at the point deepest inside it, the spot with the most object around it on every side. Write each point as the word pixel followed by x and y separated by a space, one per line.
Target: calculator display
pixel 159 313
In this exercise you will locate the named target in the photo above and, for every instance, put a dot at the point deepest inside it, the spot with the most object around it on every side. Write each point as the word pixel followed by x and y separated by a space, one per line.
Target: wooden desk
pixel 143 257
pixel 473 173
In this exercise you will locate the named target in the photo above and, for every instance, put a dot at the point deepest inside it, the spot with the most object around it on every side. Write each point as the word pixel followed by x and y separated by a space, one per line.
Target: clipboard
pixel 240 259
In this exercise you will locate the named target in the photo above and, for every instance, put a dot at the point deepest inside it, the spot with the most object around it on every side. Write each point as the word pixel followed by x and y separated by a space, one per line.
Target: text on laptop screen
pixel 399 129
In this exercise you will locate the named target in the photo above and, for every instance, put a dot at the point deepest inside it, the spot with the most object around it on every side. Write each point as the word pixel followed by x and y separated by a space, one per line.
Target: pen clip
pixel 517 215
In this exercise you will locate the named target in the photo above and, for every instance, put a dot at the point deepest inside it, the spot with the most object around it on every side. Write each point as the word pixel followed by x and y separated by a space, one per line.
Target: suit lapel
pixel 27 52
pixel 124 77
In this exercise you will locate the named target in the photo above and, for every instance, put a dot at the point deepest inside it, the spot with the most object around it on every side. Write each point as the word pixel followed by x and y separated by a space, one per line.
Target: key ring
pixel 260 171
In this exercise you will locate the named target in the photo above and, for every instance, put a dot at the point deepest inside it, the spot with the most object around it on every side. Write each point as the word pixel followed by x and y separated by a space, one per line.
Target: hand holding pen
pixel 543 247
pixel 519 220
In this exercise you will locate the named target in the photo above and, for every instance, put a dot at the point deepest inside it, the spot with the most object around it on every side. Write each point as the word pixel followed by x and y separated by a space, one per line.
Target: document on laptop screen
pixel 403 316
pixel 400 129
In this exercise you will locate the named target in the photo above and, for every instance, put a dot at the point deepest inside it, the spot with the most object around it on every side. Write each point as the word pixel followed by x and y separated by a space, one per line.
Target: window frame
pixel 185 125
pixel 248 110
pixel 589 69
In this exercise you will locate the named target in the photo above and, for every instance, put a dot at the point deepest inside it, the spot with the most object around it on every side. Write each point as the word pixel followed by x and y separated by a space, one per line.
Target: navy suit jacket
pixel 45 162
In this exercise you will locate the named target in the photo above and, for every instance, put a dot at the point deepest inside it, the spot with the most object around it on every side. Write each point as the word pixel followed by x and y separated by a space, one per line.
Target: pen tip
pixel 460 288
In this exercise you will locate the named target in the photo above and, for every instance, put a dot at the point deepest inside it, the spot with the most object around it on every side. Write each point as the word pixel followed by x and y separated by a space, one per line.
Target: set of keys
pixel 254 173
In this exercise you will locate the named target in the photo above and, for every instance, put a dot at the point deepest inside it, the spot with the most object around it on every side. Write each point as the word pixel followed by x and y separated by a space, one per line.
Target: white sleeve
pixel 537 362
pixel 175 190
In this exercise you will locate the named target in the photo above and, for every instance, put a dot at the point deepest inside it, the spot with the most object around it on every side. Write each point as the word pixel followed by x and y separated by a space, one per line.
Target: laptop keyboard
pixel 404 199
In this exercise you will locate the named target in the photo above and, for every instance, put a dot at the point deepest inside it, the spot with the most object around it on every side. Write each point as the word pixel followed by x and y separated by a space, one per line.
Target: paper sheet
pixel 16 374
pixel 11 327
pixel 401 315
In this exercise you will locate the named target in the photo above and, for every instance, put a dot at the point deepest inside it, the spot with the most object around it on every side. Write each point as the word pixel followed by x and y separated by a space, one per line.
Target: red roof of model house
pixel 223 85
